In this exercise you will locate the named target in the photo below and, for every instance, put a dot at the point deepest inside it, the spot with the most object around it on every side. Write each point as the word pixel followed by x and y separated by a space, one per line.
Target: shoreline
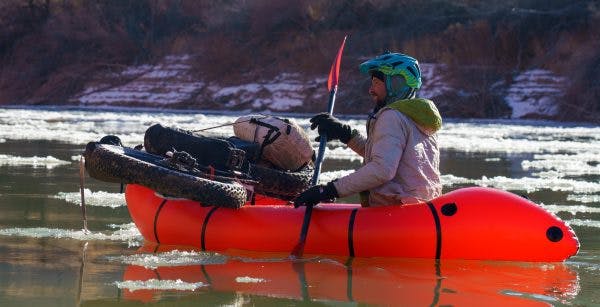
pixel 532 122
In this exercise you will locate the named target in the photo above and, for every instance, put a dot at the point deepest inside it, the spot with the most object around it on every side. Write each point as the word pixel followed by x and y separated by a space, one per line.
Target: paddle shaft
pixel 323 141
pixel 299 248
pixel 332 85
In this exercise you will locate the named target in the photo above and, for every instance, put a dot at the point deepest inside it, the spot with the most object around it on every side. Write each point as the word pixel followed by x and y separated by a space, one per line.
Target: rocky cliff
pixel 520 59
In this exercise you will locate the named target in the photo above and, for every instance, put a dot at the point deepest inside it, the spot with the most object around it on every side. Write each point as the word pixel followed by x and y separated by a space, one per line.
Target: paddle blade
pixel 334 72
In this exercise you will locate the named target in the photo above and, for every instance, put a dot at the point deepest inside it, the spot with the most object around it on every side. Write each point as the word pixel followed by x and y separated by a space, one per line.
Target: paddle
pixel 332 85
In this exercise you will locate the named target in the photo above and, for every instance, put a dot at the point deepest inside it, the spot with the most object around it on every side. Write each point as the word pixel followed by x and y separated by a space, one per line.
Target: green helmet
pixel 396 64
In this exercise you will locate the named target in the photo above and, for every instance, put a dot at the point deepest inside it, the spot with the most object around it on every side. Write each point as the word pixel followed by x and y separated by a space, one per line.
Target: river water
pixel 46 259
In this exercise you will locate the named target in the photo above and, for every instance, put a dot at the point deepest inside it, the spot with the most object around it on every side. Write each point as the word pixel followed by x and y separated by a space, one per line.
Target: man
pixel 401 155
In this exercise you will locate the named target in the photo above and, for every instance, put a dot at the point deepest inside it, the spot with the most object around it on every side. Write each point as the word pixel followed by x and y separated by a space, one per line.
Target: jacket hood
pixel 421 111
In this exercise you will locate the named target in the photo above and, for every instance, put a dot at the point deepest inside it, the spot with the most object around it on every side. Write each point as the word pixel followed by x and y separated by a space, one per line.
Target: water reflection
pixel 410 282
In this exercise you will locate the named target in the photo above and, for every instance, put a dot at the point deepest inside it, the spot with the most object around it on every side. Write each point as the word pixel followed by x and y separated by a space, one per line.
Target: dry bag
pixel 283 142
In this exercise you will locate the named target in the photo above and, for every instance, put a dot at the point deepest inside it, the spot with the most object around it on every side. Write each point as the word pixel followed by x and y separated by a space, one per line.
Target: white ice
pixel 125 233
pixel 48 162
pixel 96 199
pixel 156 284
pixel 171 258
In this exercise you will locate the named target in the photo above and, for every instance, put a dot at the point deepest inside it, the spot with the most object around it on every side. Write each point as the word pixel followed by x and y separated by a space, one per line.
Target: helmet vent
pixel 397 63
pixel 412 71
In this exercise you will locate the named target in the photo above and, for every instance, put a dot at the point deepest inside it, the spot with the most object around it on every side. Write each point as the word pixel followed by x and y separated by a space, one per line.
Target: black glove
pixel 332 127
pixel 316 194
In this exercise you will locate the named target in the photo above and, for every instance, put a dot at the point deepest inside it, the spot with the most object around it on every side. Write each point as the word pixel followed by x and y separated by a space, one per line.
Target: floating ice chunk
pixel 125 232
pixel 155 284
pixel 48 162
pixel 171 258
pixel 98 199
pixel 562 165
pixel 329 176
pixel 584 223
pixel 248 279
pixel 452 180
pixel 526 184
pixel 571 209
pixel 585 198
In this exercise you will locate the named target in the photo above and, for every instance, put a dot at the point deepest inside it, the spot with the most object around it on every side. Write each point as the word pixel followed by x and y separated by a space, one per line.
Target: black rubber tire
pixel 119 164
pixel 272 182
pixel 280 184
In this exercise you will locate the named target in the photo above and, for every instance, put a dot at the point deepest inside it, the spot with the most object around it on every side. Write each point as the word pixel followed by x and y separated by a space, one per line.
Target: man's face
pixel 377 90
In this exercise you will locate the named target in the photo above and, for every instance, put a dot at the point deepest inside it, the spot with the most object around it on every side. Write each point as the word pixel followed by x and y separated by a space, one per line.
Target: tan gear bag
pixel 283 142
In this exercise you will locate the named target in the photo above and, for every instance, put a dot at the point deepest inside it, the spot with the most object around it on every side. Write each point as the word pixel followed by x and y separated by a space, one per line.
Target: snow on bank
pixel 171 81
pixel 167 82
pixel 282 93
pixel 434 83
pixel 532 93
pixel 535 92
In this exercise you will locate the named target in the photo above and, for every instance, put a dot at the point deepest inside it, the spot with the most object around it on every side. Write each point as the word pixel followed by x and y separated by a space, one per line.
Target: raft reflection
pixel 409 282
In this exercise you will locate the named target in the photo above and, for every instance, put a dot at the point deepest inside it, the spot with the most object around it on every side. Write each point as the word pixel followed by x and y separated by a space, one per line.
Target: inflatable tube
pixel 372 281
pixel 470 223
pixel 270 181
pixel 119 164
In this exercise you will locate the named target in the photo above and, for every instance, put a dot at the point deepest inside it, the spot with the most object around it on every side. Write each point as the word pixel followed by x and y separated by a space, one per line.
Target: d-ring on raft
pixel 469 223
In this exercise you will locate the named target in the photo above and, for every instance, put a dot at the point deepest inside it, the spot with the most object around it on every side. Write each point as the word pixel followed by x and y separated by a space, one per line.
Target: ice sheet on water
pixel 48 162
pixel 562 165
pixel 528 184
pixel 124 232
pixel 519 137
pixel 584 223
pixel 248 279
pixel 571 209
pixel 171 258
pixel 156 284
pixel 340 153
pixel 82 126
pixel 584 198
pixel 325 177
pixel 98 199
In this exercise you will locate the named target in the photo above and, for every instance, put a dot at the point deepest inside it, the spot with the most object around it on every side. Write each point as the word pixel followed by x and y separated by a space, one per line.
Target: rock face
pixel 479 59
pixel 285 92
pixel 168 82
pixel 172 83
pixel 535 94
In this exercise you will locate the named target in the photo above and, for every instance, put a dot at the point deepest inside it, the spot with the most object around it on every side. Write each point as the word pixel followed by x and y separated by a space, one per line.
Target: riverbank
pixel 485 59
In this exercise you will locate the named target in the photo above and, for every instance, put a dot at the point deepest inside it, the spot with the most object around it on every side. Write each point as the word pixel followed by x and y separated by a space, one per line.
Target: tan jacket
pixel 401 161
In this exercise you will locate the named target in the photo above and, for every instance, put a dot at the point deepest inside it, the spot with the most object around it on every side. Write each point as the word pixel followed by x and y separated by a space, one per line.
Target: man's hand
pixel 316 194
pixel 332 127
